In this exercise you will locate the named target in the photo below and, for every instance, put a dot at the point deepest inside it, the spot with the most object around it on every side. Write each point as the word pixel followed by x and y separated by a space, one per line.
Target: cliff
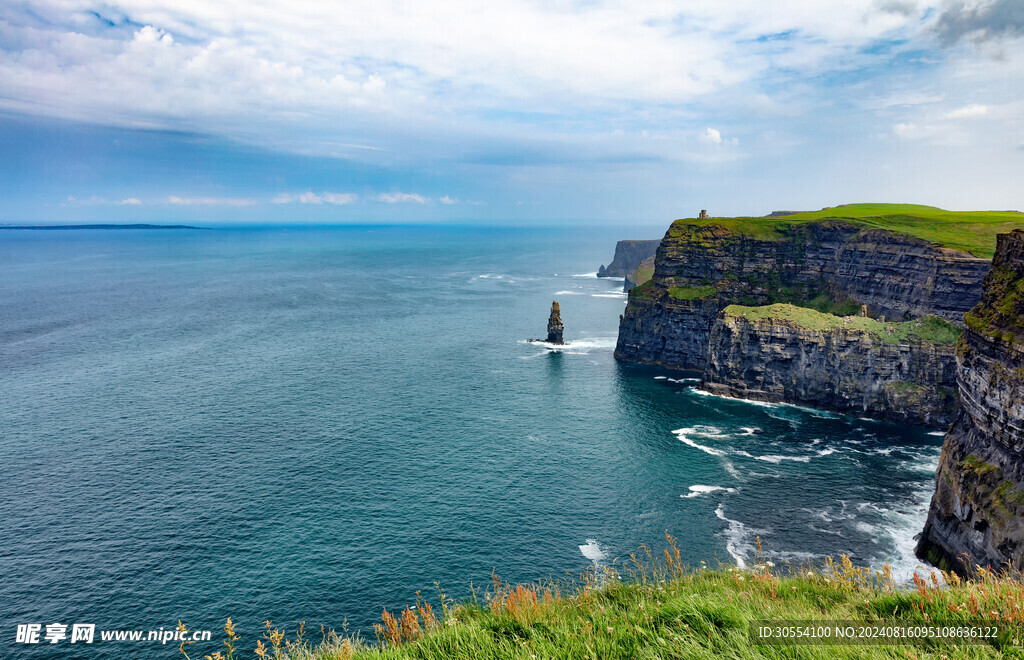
pixel 628 255
pixel 902 372
pixel 642 273
pixel 978 506
pixel 829 264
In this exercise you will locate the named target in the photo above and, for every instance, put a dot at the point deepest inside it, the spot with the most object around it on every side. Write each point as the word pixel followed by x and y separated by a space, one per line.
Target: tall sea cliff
pixel 699 269
pixel 901 372
pixel 978 508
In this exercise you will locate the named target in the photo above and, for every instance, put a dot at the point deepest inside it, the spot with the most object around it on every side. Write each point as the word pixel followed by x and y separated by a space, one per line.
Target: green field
pixel 652 606
pixel 970 231
pixel 930 329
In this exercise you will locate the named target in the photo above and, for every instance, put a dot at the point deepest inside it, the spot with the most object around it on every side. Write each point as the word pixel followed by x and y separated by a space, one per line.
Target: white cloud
pixel 711 135
pixel 971 111
pixel 340 199
pixel 130 201
pixel 209 201
pixel 398 198
pixel 448 200
pixel 280 75
pixel 912 131
pixel 309 197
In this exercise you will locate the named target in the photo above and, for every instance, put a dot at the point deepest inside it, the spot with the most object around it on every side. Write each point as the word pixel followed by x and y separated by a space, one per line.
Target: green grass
pixel 643 291
pixel 657 608
pixel 692 292
pixel 930 329
pixel 644 272
pixel 970 231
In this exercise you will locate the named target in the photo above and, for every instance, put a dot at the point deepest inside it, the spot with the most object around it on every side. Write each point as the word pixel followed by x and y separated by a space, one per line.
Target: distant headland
pixel 109 226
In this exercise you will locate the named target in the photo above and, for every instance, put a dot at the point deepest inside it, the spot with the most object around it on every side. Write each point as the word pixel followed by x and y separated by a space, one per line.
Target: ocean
pixel 315 423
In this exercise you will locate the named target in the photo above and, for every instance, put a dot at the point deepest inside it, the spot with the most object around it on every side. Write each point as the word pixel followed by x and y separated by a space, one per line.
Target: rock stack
pixel 555 327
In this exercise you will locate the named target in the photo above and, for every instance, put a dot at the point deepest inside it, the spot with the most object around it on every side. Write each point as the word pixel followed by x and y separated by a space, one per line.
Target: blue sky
pixel 513 112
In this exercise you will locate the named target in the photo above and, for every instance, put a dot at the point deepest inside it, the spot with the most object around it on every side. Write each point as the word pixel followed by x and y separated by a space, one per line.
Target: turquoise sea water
pixel 312 424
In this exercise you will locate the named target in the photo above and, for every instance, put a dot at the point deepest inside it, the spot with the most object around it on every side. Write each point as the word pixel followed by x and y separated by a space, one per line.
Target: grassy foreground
pixel 969 231
pixel 657 608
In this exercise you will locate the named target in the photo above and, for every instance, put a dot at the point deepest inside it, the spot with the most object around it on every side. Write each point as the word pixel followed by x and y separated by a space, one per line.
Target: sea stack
pixel 555 326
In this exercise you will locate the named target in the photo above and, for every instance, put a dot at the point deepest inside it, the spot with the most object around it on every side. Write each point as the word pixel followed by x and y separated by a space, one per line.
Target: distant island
pixel 135 226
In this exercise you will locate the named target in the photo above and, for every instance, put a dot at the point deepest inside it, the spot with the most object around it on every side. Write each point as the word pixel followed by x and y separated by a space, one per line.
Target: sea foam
pixel 698 490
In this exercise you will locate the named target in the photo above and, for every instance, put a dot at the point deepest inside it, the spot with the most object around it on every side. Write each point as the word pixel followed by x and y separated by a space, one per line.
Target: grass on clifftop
pixel 930 329
pixel 969 231
pixel 657 608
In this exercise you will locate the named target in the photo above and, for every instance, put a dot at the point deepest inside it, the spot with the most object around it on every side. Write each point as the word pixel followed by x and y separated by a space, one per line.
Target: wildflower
pixel 610 630
pixel 769 564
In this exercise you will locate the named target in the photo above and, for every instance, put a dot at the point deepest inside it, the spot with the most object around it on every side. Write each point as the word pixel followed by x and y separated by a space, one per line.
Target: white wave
pixel 660 378
pixel 592 551
pixel 569 293
pixel 608 295
pixel 749 430
pixel 491 276
pixel 704 431
pixel 731 469
pixel 737 538
pixel 576 346
pixel 777 458
pixel 771 475
pixel 707 450
pixel 814 412
pixel 865 527
pixel 939 433
pixel 826 452
pixel 763 404
pixel 902 524
pixel 698 490
pixel 684 380
pixel 594 274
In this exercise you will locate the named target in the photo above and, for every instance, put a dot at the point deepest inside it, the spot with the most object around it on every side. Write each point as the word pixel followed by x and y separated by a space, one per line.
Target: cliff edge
pixel 833 265
pixel 978 506
pixel 628 258
pixel 901 372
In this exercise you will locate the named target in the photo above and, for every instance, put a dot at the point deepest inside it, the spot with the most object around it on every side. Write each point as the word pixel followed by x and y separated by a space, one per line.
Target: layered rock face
pixel 855 368
pixel 978 507
pixel 903 277
pixel 702 268
pixel 628 255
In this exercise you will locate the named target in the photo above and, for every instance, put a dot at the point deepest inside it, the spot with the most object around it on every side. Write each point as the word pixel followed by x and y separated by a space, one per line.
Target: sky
pixel 606 112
